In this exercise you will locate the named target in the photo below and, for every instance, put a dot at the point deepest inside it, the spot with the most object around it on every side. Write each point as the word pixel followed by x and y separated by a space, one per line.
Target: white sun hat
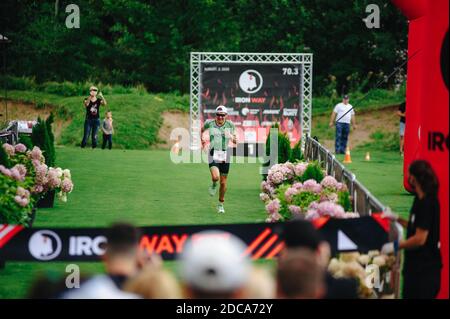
pixel 221 109
pixel 214 261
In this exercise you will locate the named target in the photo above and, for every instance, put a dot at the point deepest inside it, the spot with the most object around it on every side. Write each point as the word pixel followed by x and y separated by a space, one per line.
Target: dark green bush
pixel 26 140
pixel 344 201
pixel 4 159
pixel 313 171
pixel 41 138
pixel 51 136
pixel 284 148
pixel 296 154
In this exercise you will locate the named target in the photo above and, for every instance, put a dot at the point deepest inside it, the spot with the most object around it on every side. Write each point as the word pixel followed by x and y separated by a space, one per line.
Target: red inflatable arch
pixel 415 11
pixel 427 101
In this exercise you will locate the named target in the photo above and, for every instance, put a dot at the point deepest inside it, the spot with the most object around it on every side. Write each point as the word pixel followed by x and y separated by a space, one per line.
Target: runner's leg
pixel 223 188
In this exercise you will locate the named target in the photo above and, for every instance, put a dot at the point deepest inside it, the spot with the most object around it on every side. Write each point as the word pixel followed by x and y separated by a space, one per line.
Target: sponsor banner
pixel 263 240
pixel 257 93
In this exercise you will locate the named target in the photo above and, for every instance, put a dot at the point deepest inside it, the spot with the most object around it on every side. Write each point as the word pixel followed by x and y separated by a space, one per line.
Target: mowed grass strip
pixel 146 188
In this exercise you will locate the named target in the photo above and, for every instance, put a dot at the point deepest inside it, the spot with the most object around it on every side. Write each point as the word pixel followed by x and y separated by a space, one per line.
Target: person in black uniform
pixel 92 121
pixel 423 263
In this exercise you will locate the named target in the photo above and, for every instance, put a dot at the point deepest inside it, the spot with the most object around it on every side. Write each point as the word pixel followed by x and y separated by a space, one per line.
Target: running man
pixel 221 131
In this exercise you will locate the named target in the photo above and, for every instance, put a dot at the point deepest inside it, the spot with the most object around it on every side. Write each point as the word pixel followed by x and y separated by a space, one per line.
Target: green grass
pixel 145 187
pixel 137 116
pixel 382 176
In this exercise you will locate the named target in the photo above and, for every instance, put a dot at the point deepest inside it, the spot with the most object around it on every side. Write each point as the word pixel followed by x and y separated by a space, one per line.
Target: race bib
pixel 220 156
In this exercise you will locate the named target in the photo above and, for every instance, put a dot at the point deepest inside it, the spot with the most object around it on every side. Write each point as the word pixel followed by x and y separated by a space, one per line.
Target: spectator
pixel 154 283
pixel 108 130
pixel 213 266
pixel 92 120
pixel 260 285
pixel 122 257
pixel 423 261
pixel 343 114
pixel 402 114
pixel 300 275
pixel 302 234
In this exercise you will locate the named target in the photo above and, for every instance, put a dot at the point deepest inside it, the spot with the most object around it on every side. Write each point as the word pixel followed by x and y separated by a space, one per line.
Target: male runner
pixel 221 131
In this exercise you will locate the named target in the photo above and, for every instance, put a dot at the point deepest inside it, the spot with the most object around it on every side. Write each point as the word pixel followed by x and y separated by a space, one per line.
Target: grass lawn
pixel 145 187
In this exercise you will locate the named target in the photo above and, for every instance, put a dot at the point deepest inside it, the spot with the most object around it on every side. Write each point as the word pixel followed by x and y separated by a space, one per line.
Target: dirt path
pixel 171 120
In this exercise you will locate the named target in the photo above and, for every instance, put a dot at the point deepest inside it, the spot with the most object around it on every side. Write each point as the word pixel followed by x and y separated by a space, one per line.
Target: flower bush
pixel 303 189
pixel 26 180
pixel 353 265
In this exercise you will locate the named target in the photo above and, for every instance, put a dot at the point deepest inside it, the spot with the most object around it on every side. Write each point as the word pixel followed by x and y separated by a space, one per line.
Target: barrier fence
pixel 363 201
pixel 10 134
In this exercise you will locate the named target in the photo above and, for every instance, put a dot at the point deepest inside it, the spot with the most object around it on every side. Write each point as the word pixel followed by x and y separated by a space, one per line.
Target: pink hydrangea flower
pixel 20 148
pixel 276 178
pixel 295 210
pixel 16 174
pixel 291 191
pixel 264 197
pixel 22 192
pixel 273 218
pixel 297 185
pixel 325 209
pixel 329 182
pixel 22 196
pixel 312 214
pixel 37 189
pixel 53 179
pixel 300 168
pixel 36 153
pixel 312 186
pixel 273 206
pixel 341 187
pixel 66 185
pixel 9 149
pixel 332 197
pixel 21 201
pixel 22 169
pixel 5 171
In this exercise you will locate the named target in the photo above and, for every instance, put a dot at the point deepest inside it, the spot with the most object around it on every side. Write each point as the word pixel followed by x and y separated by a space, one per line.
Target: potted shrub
pixel 24 178
pixel 42 137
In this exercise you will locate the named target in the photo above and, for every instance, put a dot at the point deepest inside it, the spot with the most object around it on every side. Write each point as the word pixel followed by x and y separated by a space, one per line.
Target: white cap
pixel 214 261
pixel 221 109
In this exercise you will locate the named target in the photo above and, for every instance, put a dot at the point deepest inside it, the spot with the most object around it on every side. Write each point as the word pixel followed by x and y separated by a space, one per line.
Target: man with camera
pixel 92 121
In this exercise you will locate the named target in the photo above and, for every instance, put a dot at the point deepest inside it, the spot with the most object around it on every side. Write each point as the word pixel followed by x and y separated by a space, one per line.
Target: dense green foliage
pixel 313 171
pixel 4 159
pixel 26 140
pixel 296 154
pixel 41 138
pixel 148 42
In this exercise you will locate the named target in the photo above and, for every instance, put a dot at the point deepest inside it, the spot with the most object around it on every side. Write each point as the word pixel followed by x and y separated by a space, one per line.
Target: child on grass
pixel 108 130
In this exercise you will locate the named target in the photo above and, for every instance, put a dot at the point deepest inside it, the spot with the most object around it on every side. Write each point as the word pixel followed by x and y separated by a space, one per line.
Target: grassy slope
pixel 137 117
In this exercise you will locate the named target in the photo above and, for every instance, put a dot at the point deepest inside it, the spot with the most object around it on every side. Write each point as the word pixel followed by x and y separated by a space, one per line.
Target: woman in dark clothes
pixel 422 265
